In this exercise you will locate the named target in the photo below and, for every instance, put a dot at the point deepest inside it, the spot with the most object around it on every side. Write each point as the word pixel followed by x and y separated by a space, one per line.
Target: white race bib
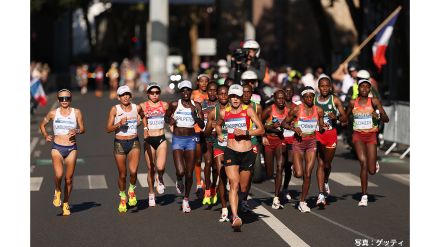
pixel 363 122
pixel 156 122
pixel 308 126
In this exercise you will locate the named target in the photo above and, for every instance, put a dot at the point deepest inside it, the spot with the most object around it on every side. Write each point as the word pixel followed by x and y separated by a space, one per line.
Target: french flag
pixel 37 92
pixel 381 43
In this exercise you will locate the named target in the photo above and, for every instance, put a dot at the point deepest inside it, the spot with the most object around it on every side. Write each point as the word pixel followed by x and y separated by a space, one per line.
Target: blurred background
pixel 76 43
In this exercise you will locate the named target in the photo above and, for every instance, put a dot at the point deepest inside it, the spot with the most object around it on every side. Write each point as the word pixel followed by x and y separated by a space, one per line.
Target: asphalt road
pixel 95 220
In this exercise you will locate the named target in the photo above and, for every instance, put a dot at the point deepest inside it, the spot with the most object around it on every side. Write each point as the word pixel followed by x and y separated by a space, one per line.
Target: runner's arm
pixel 50 115
pixel 111 119
pixel 260 129
pixel 343 115
pixel 79 119
pixel 378 105
pixel 208 129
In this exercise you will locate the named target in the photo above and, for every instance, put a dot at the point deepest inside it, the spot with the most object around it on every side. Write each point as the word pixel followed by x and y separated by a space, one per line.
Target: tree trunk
pixel 85 9
pixel 193 36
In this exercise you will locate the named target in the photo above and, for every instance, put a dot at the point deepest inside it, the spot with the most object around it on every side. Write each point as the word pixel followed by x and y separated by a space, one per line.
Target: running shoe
pixel 224 215
pixel 57 198
pixel 207 198
pixel 245 207
pixel 160 187
pixel 364 201
pixel 321 200
pixel 151 200
pixel 132 197
pixel 199 190
pixel 327 189
pixel 303 207
pixel 122 205
pixel 185 206
pixel 214 199
pixel 276 204
pixel 236 223
pixel 66 209
pixel 179 186
pixel 377 166
pixel 287 195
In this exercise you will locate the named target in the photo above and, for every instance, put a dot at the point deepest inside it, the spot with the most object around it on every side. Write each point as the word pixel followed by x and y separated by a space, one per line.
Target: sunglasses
pixel 64 99
pixel 154 92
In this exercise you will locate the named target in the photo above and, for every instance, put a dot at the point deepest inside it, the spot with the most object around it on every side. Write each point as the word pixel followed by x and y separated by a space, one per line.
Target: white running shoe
pixel 276 204
pixel 185 206
pixel 179 186
pixel 224 215
pixel 327 189
pixel 151 200
pixel 377 166
pixel 364 201
pixel 160 187
pixel 303 207
pixel 245 207
pixel 321 200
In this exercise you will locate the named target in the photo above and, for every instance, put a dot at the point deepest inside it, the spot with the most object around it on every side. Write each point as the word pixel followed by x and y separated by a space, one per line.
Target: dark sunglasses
pixel 154 92
pixel 64 98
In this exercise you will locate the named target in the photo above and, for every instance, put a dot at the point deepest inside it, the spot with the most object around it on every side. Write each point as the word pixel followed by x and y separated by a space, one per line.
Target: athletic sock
pixel 122 194
pixel 131 188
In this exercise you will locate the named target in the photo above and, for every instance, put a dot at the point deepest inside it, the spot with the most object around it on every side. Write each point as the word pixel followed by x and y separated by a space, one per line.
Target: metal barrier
pixel 397 129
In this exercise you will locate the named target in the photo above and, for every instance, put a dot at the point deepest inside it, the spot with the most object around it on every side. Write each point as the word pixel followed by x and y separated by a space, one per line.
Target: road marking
pixel 46 162
pixel 276 225
pixel 34 143
pixel 293 181
pixel 401 178
pixel 89 182
pixel 348 179
pixel 322 217
pixel 168 135
pixel 32 168
pixel 36 183
pixel 142 179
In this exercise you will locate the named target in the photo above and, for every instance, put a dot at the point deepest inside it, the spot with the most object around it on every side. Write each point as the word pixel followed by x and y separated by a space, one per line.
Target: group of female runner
pixel 220 125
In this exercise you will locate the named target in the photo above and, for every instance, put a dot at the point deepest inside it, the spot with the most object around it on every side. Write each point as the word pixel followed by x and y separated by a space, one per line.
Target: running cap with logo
pixel 185 83
pixel 249 75
pixel 363 74
pixel 202 75
pixel 235 89
pixel 123 89
pixel 307 90
pixel 364 81
pixel 222 63
pixel 152 85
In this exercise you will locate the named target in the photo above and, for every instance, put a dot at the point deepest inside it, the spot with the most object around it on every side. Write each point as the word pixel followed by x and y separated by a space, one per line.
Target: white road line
pixel 277 226
pixel 142 179
pixel 324 218
pixel 348 179
pixel 401 178
pixel 86 182
pixel 36 183
pixel 34 143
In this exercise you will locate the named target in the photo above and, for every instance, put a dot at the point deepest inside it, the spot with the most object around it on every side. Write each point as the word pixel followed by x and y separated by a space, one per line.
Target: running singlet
pixel 275 116
pixel 183 116
pixel 307 124
pixel 239 120
pixel 327 106
pixel 201 98
pixel 224 130
pixel 155 116
pixel 130 127
pixel 62 125
pixel 362 117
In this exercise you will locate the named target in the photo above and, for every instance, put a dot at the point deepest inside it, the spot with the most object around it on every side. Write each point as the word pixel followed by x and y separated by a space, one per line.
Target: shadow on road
pixel 357 197
pixel 161 200
pixel 83 206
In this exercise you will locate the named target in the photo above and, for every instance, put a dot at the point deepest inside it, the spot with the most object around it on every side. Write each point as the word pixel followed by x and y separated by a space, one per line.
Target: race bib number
pixel 308 126
pixel 155 123
pixel 235 123
pixel 362 122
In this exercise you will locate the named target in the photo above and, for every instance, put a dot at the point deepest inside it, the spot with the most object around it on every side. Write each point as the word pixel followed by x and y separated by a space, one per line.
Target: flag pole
pixel 378 28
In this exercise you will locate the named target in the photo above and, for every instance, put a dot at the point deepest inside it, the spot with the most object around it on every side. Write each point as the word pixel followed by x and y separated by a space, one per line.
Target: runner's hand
pixel 375 115
pixel 265 141
pixel 332 116
pixel 220 138
pixel 239 132
pixel 49 138
pixel 297 131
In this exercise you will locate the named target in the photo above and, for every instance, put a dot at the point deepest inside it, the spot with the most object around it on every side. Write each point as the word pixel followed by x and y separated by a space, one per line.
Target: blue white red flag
pixel 37 92
pixel 381 43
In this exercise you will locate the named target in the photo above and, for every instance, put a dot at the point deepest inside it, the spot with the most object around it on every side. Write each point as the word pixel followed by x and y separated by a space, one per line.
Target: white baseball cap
pixel 223 70
pixel 235 89
pixel 151 85
pixel 363 80
pixel 363 74
pixel 123 89
pixel 185 83
pixel 222 63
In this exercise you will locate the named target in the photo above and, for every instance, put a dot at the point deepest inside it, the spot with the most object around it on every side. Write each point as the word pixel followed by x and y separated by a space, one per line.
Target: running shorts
pixel 274 143
pixel 245 160
pixel 329 138
pixel 305 145
pixel 154 141
pixel 64 150
pixel 125 146
pixel 365 137
pixel 184 142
